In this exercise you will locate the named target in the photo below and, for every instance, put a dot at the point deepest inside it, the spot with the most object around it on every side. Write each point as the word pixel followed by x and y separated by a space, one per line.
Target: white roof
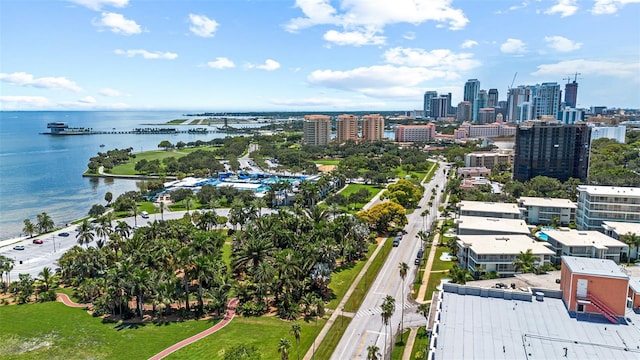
pixel 239 185
pixel 547 202
pixel 570 237
pixel 622 228
pixel 610 190
pixel 504 244
pixel 634 284
pixel 589 266
pixel 507 208
pixel 499 225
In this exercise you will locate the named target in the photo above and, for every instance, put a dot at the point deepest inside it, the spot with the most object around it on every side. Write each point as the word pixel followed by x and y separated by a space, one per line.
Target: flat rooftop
pixel 474 327
pixel 504 244
pixel 589 266
pixel 622 228
pixel 497 225
pixel 571 237
pixel 547 202
pixel 481 206
pixel 610 190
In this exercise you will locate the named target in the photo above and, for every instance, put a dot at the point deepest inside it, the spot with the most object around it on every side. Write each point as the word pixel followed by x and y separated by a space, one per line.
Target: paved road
pixel 366 327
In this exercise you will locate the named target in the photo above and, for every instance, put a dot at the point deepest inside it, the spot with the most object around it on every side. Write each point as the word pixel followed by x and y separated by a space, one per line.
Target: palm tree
pixel 295 331
pixel 373 352
pixel 403 267
pixel 29 228
pixel 388 308
pixel 123 229
pixel 423 309
pixel 134 210
pixel 45 223
pixel 283 348
pixel 85 233
pixel 525 261
pixel 459 275
pixel 630 239
pixel 45 275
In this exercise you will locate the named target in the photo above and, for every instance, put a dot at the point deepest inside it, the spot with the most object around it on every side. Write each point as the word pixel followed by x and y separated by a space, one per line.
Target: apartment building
pixel 488 209
pixel 415 133
pixel 477 225
pixel 542 211
pixel 372 127
pixel 597 204
pixel 316 130
pixel 488 159
pixel 589 244
pixel 347 128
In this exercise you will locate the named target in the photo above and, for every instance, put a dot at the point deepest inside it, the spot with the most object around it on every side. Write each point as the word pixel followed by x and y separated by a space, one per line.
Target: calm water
pixel 44 173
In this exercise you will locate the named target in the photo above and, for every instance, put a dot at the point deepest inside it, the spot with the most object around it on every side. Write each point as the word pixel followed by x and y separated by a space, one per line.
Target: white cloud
pixel 356 38
pixel 118 24
pixel 438 59
pixel 24 79
pixel 603 7
pixel 98 4
pixel 88 100
pixel 409 35
pixel 22 102
pixel 147 54
pixel 202 25
pixel 469 44
pixel 269 65
pixel 110 92
pixel 376 14
pixel 590 67
pixel 563 7
pixel 513 46
pixel 562 44
pixel 221 63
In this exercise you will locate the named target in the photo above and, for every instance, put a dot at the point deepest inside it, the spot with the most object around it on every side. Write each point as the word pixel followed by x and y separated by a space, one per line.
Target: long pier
pixel 140 131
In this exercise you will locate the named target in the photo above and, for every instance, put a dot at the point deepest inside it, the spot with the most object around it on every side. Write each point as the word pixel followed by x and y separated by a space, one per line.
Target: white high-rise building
pixel 597 204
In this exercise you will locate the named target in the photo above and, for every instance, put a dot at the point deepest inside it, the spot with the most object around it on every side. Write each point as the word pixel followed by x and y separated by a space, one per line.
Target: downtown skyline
pixel 309 55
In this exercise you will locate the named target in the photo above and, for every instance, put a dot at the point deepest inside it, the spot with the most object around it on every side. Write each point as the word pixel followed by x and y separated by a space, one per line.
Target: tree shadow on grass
pixel 126 326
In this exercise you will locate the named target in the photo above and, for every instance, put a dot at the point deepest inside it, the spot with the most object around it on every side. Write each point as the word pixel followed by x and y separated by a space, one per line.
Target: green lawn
pixel 226 255
pixel 176 121
pixel 331 340
pixel 342 278
pixel 434 281
pixel 353 188
pixel 361 290
pixel 327 162
pixel 55 331
pixel 439 264
pixel 147 206
pixel 129 167
pixel 421 344
pixel 400 345
pixel 261 332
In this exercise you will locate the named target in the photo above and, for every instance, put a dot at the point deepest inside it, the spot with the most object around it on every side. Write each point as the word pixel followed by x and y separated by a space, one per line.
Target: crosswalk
pixel 377 310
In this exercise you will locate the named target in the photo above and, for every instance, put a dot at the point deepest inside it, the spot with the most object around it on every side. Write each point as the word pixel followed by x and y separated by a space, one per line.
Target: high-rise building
pixel 463 113
pixel 347 128
pixel 486 115
pixel 492 98
pixel 571 94
pixel 428 95
pixel 551 149
pixel 479 103
pixel 316 130
pixel 546 100
pixel 450 110
pixel 439 107
pixel 471 89
pixel 415 133
pixel 372 127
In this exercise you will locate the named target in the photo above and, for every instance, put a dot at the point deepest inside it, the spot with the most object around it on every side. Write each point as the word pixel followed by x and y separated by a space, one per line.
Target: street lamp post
pixel 53 238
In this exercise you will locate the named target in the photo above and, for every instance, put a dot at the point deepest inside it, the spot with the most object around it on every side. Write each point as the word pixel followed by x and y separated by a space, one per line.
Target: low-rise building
pixel 488 159
pixel 488 253
pixel 489 209
pixel 476 225
pixel 467 172
pixel 543 211
pixel 619 230
pixel 589 244
pixel 415 133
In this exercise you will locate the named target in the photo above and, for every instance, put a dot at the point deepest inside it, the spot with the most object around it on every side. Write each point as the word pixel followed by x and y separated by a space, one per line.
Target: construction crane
pixel 575 77
pixel 514 80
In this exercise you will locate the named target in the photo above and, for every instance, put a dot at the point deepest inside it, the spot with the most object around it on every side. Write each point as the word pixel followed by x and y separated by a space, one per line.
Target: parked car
pixel 18 247
pixel 396 242
pixel 417 261
pixel 64 234
pixel 144 215
pixel 38 241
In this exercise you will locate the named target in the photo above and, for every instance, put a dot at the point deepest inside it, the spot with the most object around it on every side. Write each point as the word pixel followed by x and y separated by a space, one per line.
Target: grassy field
pixel 421 344
pixel 55 331
pixel 176 121
pixel 439 264
pixel 263 333
pixel 434 281
pixel 353 188
pixel 342 278
pixel 327 162
pixel 399 345
pixel 129 167
pixel 361 290
pixel 328 345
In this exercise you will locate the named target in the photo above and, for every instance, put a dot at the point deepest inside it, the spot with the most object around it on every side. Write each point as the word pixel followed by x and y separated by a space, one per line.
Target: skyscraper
pixel 372 127
pixel 479 103
pixel 551 149
pixel 492 99
pixel 316 130
pixel 463 113
pixel 471 89
pixel 439 107
pixel 347 128
pixel 546 100
pixel 428 95
pixel 571 94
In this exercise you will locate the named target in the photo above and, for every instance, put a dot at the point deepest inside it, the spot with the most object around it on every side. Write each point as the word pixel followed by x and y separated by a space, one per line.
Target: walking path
pixel 64 298
pixel 427 269
pixel 231 311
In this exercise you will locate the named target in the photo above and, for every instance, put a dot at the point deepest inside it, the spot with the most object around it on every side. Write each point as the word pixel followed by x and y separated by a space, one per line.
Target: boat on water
pixel 62 128
pixel 101 145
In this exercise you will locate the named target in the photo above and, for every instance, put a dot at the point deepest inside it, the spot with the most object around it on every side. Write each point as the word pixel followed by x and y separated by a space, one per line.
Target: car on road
pixel 417 261
pixel 64 234
pixel 396 242
pixel 38 241
pixel 18 247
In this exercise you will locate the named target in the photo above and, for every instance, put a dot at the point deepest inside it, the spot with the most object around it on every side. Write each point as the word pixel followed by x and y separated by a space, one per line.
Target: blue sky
pixel 288 55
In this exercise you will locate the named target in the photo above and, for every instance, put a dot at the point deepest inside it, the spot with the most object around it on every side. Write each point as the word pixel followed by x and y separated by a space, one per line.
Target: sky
pixel 309 55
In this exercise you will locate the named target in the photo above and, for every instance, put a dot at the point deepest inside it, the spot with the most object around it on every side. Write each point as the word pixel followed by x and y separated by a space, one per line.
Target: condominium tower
pixel 316 129
pixel 347 128
pixel 372 127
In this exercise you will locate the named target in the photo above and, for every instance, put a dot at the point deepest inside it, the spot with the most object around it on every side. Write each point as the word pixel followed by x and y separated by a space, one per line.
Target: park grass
pixel 128 168
pixel 327 162
pixel 331 340
pixel 438 264
pixel 434 281
pixel 421 343
pixel 362 288
pixel 226 255
pixel 343 277
pixel 176 121
pixel 147 206
pixel 353 188
pixel 418 281
pixel 400 344
pixel 55 331
pixel 262 332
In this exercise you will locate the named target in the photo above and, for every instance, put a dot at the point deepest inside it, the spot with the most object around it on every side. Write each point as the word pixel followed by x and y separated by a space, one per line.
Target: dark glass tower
pixel 571 94
pixel 551 149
